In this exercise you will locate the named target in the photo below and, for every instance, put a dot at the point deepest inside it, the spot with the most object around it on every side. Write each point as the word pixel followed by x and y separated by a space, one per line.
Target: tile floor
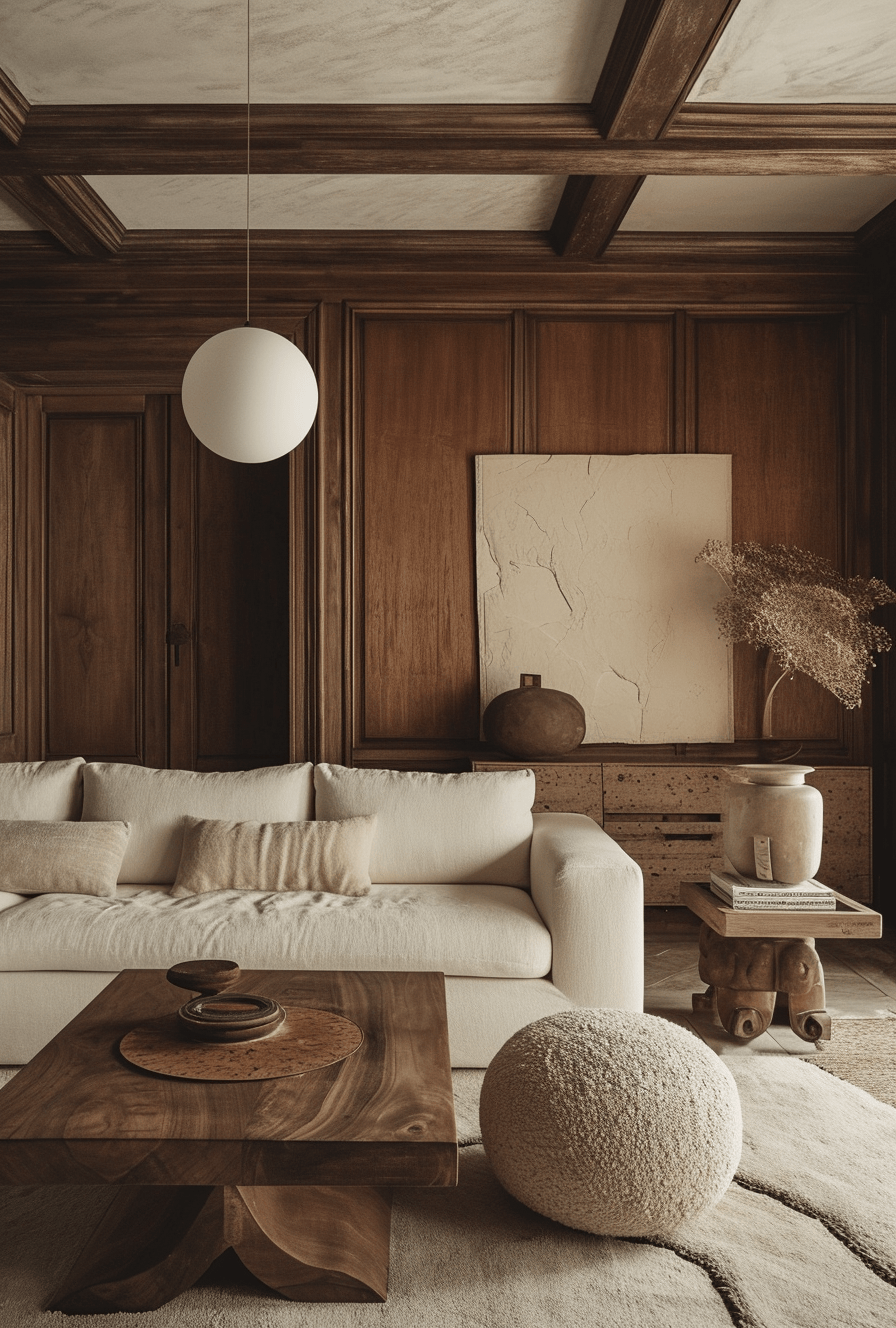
pixel 860 981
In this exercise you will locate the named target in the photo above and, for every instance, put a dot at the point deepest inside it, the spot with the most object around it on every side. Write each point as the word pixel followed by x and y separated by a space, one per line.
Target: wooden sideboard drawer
pixel 668 852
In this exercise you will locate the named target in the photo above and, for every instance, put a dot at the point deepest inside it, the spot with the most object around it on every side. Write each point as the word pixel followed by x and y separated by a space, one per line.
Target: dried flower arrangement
pixel 812 619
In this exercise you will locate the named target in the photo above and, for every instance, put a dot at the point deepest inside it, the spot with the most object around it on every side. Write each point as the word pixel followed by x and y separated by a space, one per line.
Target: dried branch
pixel 797 604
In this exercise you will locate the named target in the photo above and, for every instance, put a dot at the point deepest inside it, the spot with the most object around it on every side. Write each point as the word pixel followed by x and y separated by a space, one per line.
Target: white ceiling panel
pixel 308 51
pixel 814 51
pixel 333 202
pixel 14 217
pixel 758 202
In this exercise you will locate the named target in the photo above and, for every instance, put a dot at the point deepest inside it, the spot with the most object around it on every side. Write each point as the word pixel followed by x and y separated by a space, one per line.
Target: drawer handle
pixel 694 836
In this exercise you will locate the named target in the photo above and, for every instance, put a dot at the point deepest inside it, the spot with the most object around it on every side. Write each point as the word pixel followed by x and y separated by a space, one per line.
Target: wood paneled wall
pixel 430 389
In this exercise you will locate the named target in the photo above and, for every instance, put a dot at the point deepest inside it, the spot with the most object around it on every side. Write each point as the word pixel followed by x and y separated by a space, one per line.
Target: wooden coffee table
pixel 294 1174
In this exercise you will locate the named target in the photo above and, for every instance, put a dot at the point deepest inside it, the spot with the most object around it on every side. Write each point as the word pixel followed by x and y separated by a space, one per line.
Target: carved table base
pixel 748 975
pixel 311 1243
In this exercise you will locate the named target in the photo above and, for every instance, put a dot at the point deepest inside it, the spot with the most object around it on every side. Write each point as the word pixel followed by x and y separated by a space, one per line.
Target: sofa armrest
pixel 590 894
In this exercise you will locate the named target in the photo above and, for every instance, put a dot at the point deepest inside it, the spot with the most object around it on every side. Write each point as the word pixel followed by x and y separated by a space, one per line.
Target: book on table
pixel 744 893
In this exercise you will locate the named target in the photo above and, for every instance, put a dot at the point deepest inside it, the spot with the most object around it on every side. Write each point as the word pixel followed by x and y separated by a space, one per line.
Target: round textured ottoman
pixel 616 1123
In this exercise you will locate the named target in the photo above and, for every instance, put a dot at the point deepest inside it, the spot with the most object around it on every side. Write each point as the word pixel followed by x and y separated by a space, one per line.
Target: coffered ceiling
pixel 571 118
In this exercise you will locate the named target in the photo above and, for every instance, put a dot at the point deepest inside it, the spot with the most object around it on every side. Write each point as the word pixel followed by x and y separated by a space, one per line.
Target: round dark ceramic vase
pixel 533 722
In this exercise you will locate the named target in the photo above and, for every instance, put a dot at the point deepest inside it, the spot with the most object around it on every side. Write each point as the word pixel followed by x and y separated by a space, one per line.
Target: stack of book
pixel 746 893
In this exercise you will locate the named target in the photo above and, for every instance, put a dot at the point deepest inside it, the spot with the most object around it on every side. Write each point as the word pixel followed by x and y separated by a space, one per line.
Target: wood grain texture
pixel 7 564
pixel 477 139
pixel 311 1243
pixel 658 50
pixel 433 393
pixel 14 108
pixel 94 591
pixel 848 919
pixel 669 852
pixel 771 393
pixel 71 210
pixel 601 384
pixel 385 1116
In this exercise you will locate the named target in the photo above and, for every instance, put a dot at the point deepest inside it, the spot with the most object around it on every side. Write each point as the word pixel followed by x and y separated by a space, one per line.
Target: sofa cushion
pixel 276 855
pixel 41 790
pixel 157 801
pixel 458 828
pixel 464 930
pixel 68 857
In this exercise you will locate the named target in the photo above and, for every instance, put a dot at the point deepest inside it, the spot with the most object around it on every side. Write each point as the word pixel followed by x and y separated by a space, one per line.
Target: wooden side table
pixel 752 959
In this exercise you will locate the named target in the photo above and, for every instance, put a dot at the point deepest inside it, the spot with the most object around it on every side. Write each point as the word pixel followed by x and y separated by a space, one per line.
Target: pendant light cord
pixel 248 138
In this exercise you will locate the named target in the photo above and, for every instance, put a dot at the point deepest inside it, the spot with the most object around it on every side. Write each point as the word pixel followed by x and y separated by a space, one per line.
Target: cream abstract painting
pixel 586 575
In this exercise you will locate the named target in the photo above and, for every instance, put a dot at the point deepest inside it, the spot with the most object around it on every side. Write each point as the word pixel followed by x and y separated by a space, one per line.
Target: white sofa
pixel 525 915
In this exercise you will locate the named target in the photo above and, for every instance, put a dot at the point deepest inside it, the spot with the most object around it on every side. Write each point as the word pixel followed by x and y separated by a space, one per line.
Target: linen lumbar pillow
pixel 61 857
pixel 333 856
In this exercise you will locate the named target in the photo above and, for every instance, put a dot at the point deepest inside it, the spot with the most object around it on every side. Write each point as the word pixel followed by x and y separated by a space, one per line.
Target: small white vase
pixel 773 803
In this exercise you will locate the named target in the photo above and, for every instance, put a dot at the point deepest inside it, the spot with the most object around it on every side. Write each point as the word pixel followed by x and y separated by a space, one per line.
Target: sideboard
pixel 669 817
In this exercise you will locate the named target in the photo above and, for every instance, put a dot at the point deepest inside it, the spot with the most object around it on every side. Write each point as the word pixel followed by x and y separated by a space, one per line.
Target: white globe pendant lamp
pixel 249 394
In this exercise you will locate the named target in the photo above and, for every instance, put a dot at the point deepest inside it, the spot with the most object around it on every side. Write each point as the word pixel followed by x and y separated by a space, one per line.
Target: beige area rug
pixel 804 1238
pixel 863 1052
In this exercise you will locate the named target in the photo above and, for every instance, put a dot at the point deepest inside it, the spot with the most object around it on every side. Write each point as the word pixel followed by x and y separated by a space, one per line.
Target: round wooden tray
pixel 308 1040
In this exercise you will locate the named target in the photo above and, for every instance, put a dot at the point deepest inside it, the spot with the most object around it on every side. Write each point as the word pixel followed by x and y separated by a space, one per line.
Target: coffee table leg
pixel 152 1244
pixel 313 1243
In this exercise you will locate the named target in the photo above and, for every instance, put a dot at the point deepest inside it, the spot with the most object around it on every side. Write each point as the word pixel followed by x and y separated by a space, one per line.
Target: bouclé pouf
pixel 616 1123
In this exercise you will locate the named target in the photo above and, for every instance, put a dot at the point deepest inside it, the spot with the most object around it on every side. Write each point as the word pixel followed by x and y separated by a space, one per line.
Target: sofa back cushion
pixel 453 829
pixel 156 803
pixel 41 790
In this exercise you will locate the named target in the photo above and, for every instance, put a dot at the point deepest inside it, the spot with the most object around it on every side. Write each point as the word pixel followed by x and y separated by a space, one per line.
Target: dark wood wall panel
pixel 93 608
pixel 770 392
pixel 7 604
pixel 431 393
pixel 242 612
pixel 601 385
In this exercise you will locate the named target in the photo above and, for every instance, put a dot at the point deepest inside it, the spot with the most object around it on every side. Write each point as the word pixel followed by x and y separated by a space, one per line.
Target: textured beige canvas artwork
pixel 586 575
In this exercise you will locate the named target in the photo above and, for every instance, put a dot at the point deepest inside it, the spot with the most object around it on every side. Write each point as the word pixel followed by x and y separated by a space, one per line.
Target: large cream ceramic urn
pixel 773 822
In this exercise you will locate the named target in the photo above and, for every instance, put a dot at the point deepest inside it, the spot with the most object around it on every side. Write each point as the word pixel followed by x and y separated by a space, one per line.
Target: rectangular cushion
pixel 41 790
pixel 155 802
pixel 276 855
pixel 61 857
pixel 457 828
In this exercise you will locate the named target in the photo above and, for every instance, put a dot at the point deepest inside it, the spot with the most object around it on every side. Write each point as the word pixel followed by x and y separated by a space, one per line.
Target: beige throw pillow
pixel 276 855
pixel 61 857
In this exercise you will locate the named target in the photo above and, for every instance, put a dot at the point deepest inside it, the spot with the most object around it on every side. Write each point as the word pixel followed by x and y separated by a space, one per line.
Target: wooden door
pixel 97 480
pixel 157 590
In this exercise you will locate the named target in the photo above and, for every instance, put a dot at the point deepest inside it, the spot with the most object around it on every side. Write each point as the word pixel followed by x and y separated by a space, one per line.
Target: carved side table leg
pixel 800 974
pixel 744 1013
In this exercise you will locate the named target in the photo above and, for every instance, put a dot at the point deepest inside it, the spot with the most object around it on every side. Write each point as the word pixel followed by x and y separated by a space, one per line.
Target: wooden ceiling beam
pixel 71 210
pixel 474 140
pixel 658 50
pixel 14 109
pixel 60 202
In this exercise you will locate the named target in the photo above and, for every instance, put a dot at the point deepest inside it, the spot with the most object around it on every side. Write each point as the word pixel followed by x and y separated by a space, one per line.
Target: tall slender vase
pixel 773 822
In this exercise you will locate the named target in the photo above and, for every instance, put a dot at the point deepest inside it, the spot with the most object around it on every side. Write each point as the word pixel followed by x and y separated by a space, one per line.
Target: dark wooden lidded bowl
pixel 213 1016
